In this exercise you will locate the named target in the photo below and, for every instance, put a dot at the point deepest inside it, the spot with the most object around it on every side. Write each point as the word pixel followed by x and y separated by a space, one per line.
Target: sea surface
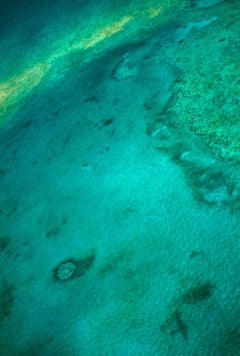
pixel 120 178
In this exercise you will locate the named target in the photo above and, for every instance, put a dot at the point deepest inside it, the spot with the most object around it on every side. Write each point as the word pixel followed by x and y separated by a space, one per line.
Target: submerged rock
pixel 65 270
pixel 70 269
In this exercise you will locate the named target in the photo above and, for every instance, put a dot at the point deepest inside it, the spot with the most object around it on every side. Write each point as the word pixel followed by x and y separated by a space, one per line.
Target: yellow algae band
pixel 17 88
pixel 101 35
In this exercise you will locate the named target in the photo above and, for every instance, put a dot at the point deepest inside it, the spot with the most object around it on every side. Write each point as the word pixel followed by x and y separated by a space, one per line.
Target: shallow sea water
pixel 119 178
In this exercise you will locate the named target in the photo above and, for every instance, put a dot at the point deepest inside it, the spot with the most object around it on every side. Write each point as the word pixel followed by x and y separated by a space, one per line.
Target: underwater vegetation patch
pixel 208 96
pixel 4 242
pixel 209 185
pixel 115 261
pixel 212 181
pixel 198 293
pixel 6 299
pixel 54 224
pixel 53 232
pixel 175 322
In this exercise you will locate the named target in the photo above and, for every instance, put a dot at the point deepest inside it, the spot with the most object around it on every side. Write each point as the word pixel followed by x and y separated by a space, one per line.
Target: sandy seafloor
pixel 124 160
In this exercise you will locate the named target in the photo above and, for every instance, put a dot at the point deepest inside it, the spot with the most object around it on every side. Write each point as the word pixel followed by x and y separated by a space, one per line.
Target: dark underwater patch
pixel 176 321
pixel 175 324
pixel 198 293
pixel 4 242
pixel 6 299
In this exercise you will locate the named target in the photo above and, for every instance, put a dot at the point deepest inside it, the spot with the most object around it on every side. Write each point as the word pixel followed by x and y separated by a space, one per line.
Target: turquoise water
pixel 119 178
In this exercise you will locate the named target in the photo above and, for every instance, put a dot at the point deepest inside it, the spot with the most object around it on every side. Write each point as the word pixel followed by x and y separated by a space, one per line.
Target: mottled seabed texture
pixel 120 178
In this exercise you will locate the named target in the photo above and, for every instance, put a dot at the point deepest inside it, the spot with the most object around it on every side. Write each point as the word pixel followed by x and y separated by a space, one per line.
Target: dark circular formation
pixel 65 270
